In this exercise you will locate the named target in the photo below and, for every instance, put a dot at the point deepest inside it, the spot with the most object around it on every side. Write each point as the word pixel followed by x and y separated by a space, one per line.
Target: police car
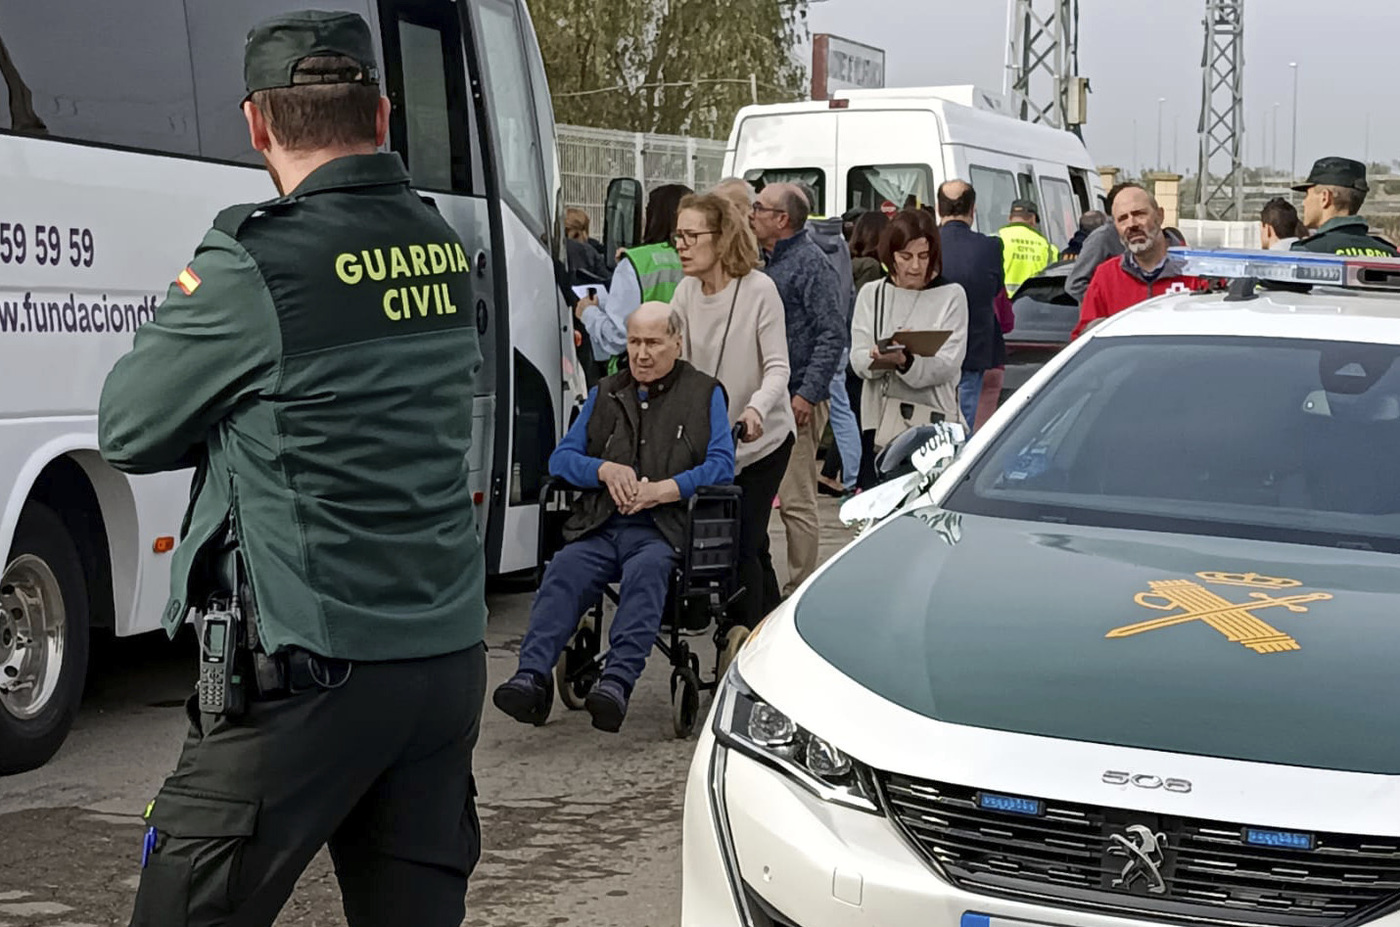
pixel 1131 659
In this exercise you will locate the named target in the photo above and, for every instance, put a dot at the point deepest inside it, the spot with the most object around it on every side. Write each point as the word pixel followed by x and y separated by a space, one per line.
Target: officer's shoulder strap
pixel 429 202
pixel 230 221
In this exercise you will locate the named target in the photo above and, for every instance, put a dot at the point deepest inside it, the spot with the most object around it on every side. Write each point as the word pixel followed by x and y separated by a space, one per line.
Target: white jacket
pixel 930 380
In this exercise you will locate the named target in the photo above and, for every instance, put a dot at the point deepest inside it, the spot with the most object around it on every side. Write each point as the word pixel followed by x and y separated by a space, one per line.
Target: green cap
pixel 276 46
pixel 1336 172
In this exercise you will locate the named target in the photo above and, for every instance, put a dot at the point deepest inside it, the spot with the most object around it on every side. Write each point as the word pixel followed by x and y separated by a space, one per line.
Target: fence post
pixel 690 163
pixel 641 165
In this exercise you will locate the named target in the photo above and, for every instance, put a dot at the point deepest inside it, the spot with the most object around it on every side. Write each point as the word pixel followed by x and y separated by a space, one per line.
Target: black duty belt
pixel 294 671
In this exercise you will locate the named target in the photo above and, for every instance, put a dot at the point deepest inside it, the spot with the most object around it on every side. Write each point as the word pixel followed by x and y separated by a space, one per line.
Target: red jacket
pixel 1119 284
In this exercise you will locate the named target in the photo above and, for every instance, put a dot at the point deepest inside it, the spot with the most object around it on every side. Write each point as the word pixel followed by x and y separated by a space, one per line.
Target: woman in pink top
pixel 735 331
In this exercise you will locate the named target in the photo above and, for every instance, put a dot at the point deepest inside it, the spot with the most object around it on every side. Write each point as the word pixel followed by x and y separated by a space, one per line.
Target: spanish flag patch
pixel 188 281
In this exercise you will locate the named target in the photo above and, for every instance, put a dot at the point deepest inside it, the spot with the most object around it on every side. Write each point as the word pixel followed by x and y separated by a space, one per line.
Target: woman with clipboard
pixel 908 335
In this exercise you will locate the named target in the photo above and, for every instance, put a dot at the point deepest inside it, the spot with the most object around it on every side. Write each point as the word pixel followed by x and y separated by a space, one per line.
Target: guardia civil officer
pixel 315 363
pixel 1332 196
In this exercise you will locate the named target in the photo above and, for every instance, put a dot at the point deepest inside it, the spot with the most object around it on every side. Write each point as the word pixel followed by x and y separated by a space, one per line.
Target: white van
pixel 887 149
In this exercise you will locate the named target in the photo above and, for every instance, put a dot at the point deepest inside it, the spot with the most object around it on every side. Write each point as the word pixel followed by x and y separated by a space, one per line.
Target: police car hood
pixel 1240 649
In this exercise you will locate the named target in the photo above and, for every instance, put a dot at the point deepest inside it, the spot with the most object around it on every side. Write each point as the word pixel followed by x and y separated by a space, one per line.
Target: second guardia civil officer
pixel 315 362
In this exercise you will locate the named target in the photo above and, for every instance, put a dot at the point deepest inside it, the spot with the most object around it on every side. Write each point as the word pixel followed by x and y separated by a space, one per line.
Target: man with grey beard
pixel 1146 269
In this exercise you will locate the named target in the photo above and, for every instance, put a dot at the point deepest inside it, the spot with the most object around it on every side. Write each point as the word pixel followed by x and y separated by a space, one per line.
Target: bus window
pixel 907 186
pixel 811 176
pixel 511 104
pixel 61 64
pixel 216 33
pixel 427 87
pixel 428 147
pixel 1059 215
pixel 996 190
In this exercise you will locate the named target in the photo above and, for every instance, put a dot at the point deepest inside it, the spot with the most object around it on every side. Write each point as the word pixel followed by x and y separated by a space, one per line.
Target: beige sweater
pixel 930 380
pixel 754 366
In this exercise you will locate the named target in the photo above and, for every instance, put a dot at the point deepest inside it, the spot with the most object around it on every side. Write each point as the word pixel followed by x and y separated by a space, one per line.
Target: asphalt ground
pixel 579 827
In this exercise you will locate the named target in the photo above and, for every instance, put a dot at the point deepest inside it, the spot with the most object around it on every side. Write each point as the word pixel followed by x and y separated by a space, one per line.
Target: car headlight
pixel 746 723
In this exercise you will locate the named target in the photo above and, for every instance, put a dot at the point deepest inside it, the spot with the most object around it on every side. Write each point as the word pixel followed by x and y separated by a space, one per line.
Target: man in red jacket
pixel 1146 268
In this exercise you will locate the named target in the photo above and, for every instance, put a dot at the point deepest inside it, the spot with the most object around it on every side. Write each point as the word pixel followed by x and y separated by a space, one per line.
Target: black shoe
pixel 526 697
pixel 607 703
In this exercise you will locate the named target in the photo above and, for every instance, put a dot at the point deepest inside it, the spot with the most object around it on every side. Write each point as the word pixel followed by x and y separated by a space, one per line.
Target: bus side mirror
pixel 622 216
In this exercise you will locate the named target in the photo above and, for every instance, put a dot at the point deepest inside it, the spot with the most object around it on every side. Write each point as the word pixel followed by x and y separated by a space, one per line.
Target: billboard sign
pixel 840 64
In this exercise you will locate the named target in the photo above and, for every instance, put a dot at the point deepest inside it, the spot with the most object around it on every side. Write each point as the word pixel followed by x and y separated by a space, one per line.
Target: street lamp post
pixel 1160 101
pixel 1293 164
pixel 1273 159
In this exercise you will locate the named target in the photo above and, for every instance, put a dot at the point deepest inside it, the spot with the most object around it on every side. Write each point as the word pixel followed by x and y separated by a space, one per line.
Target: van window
pixel 1059 214
pixel 996 190
pixel 811 176
pixel 907 186
pixel 513 111
pixel 60 58
pixel 1026 183
pixel 1079 180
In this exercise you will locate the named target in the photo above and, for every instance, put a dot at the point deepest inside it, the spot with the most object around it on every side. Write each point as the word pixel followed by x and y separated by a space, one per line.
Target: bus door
pixel 433 126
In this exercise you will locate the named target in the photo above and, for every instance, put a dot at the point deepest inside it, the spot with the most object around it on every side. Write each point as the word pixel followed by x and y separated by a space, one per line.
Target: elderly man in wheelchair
pixel 647 438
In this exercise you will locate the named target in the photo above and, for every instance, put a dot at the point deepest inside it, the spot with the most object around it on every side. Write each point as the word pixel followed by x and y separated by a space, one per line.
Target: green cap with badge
pixel 276 46
pixel 1336 172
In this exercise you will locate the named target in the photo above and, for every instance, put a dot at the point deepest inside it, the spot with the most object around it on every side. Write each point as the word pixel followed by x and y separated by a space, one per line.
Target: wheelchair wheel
pixel 573 674
pixel 685 701
pixel 734 641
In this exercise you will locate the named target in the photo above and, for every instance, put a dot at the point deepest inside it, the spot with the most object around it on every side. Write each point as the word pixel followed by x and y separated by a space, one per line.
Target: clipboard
pixel 920 344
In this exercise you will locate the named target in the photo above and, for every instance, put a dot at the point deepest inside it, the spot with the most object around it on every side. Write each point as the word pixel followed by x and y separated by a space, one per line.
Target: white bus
pixel 120 139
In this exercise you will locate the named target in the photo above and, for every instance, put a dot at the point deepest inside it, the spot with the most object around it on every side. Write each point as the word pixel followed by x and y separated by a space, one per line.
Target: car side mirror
pixel 926 449
pixel 942 448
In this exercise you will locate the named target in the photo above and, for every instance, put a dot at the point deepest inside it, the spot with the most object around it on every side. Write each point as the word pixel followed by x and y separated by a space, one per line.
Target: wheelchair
pixel 704 583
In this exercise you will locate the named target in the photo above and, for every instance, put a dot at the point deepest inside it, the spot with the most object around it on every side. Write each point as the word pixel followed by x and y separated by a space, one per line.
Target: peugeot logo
pixel 1144 851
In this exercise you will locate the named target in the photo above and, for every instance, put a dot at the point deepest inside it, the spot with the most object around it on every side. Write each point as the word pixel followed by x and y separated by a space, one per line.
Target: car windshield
pixel 1274 439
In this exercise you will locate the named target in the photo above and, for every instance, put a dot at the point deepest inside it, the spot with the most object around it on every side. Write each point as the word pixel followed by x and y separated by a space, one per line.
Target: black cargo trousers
pixel 379 768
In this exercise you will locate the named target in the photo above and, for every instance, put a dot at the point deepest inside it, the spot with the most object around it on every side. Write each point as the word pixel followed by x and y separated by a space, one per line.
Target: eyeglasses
pixel 689 237
pixel 759 207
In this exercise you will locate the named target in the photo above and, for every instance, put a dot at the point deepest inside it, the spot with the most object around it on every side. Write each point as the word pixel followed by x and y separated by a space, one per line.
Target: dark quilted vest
pixel 665 436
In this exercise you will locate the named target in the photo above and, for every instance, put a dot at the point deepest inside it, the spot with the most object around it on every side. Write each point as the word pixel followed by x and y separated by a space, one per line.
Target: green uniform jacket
pixel 1345 235
pixel 1026 253
pixel 316 363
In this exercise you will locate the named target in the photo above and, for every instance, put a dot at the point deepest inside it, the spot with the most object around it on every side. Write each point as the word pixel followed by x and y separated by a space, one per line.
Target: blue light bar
pixel 1278 839
pixel 1009 804
pixel 1296 267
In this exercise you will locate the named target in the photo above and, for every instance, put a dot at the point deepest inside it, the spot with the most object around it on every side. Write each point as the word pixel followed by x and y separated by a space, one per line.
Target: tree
pixel 674 66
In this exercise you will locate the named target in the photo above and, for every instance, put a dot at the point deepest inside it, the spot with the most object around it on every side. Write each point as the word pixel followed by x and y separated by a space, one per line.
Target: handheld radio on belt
pixel 221 689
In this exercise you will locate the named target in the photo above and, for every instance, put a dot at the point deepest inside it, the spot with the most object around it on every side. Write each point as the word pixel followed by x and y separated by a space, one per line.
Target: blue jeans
pixel 969 391
pixel 630 550
pixel 845 429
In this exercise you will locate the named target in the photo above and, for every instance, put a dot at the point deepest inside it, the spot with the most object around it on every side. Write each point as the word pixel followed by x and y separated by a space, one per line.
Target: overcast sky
pixel 1136 51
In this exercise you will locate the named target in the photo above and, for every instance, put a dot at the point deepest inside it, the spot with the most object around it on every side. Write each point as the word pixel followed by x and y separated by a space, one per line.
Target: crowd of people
pixel 782 323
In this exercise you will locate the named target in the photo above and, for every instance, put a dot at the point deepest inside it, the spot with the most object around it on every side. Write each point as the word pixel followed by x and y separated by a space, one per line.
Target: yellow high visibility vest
pixel 1025 253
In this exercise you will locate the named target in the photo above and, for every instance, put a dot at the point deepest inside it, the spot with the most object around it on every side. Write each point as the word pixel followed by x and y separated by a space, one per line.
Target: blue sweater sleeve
pixel 570 460
pixel 718 467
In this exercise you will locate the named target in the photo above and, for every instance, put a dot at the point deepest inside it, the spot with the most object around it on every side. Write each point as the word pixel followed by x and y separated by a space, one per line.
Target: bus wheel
pixel 43 640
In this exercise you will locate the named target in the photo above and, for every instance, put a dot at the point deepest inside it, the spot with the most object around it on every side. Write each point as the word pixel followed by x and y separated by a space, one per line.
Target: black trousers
pixel 759 481
pixel 379 768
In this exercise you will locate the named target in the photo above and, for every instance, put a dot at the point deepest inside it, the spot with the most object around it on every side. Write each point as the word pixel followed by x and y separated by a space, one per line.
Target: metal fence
pixel 590 158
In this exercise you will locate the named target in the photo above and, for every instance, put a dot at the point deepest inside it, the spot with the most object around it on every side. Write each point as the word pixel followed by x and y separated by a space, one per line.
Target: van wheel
pixel 43 640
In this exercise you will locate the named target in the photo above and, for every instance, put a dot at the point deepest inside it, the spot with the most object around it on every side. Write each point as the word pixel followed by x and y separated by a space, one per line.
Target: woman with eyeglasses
pixel 736 332
pixel 901 389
